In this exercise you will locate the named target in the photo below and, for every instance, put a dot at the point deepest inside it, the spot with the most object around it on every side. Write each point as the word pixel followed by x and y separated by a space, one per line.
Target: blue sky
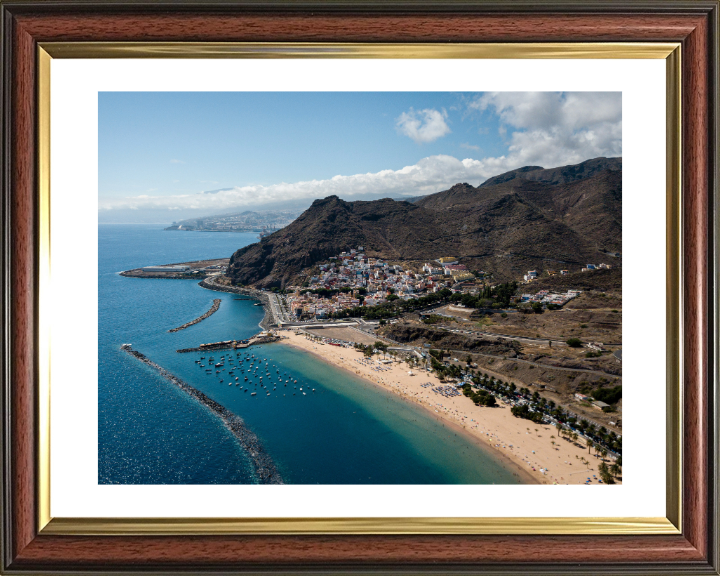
pixel 160 151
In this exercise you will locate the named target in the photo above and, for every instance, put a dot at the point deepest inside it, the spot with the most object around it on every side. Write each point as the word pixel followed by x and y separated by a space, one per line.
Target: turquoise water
pixel 346 432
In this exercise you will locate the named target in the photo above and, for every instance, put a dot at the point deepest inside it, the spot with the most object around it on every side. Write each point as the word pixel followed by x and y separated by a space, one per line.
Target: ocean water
pixel 346 432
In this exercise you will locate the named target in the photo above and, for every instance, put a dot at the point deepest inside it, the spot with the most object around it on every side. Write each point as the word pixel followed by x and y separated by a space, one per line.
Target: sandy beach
pixel 527 446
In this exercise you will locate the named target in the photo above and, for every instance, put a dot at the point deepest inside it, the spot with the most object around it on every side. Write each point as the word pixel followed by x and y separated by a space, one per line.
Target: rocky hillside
pixel 418 335
pixel 528 218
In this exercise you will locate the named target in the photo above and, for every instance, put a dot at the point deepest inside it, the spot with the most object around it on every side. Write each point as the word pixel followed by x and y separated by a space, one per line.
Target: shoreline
pixel 515 467
pixel 525 447
pixel 268 318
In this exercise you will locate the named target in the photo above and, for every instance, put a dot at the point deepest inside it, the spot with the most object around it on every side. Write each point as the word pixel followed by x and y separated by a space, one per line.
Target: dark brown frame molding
pixel 27 23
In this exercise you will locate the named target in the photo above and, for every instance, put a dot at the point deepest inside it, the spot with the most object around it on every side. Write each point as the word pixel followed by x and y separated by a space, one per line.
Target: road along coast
pixel 268 320
pixel 535 451
pixel 213 309
pixel 265 470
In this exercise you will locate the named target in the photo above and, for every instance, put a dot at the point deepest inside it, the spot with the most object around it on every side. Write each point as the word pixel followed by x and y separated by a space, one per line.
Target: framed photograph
pixel 300 287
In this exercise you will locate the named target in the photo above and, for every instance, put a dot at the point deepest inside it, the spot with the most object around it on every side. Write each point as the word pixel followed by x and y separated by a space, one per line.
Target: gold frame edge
pixel 288 526
pixel 44 347
pixel 674 401
pixel 531 50
pixel 383 526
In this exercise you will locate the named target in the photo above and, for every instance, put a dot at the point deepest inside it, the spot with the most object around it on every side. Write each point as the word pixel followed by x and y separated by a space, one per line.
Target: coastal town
pixel 459 328
pixel 354 312
pixel 262 222
pixel 351 280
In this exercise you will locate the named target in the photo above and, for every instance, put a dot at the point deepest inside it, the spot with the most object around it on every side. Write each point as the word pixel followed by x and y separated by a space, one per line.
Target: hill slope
pixel 528 218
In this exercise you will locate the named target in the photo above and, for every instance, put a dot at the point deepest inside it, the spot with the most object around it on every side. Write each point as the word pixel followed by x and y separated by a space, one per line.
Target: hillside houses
pixel 547 297
pixel 351 279
pixel 591 267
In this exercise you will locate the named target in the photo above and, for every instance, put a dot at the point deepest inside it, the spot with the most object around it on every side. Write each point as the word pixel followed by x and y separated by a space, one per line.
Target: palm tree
pixel 615 470
pixel 604 453
pixel 589 444
pixel 536 431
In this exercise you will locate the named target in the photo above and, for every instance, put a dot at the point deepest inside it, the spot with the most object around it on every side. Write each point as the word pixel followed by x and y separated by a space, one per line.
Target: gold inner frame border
pixel 671 524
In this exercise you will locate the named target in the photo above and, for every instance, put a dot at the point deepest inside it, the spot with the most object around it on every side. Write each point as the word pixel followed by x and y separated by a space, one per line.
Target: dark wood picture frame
pixel 693 24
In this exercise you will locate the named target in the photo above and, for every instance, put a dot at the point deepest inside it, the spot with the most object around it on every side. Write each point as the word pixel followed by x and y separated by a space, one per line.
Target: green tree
pixel 537 307
pixel 381 346
pixel 605 474
pixel 574 342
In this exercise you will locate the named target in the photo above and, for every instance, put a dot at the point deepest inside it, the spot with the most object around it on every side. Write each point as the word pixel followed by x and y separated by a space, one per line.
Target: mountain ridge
pixel 527 218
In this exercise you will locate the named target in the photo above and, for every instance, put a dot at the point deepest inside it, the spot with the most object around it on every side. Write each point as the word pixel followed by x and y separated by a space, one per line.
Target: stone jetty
pixel 262 338
pixel 213 309
pixel 265 469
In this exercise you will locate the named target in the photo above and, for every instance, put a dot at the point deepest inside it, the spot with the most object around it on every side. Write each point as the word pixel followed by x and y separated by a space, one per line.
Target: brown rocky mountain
pixel 561 175
pixel 524 219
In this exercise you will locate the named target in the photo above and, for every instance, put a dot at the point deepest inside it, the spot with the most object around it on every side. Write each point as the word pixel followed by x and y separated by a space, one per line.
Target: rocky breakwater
pixel 269 318
pixel 265 470
pixel 213 309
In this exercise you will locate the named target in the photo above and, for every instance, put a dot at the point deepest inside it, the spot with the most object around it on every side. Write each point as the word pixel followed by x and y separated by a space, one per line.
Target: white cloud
pixel 423 126
pixel 544 129
pixel 429 175
pixel 555 128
